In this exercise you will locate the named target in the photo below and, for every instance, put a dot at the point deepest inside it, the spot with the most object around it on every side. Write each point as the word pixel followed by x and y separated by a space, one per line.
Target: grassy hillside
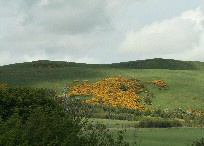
pixel 182 84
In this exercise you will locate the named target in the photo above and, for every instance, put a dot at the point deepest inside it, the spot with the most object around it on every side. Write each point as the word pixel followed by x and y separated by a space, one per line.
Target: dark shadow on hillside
pixel 157 63
pixel 28 76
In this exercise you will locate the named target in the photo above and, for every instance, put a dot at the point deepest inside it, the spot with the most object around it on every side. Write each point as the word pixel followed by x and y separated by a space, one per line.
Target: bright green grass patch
pixel 114 123
pixel 182 86
pixel 164 137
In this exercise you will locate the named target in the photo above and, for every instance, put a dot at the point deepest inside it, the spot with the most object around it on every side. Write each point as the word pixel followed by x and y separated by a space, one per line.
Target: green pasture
pixel 152 136
pixel 164 137
pixel 182 84
pixel 114 124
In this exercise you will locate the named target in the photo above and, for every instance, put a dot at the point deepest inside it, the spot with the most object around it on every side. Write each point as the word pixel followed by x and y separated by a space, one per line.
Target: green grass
pixel 182 84
pixel 165 137
pixel 114 124
pixel 153 136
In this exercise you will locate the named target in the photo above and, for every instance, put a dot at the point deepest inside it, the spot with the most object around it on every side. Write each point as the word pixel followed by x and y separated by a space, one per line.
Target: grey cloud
pixel 69 17
pixel 91 31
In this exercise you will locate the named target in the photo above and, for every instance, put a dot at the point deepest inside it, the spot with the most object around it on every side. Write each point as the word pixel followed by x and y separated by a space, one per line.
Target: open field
pixel 153 136
pixel 165 137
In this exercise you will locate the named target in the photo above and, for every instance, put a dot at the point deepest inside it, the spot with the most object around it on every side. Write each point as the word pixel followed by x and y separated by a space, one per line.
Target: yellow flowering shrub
pixel 195 112
pixel 112 91
pixel 158 83
pixel 3 85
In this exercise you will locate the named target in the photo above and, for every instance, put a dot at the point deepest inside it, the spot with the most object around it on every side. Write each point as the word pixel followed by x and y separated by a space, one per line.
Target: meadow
pixel 183 85
pixel 185 90
pixel 153 136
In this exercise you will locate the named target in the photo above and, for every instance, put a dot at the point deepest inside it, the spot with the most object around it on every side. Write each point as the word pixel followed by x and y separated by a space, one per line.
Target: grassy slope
pixel 182 84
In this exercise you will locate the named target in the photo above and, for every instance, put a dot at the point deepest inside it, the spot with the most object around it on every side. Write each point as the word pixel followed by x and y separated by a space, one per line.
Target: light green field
pixel 165 137
pixel 153 136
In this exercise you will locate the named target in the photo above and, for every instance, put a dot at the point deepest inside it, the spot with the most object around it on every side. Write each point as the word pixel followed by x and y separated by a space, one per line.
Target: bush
pixel 41 128
pixel 198 142
pixel 51 128
pixel 24 101
pixel 124 88
pixel 33 117
pixel 147 100
pixel 159 123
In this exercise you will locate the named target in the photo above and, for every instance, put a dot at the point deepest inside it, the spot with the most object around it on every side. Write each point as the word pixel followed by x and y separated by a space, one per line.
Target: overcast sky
pixel 101 31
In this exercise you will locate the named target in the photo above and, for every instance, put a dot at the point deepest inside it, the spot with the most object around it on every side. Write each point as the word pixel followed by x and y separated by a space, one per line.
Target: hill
pixel 184 84
pixel 156 63
pixel 159 63
pixel 184 81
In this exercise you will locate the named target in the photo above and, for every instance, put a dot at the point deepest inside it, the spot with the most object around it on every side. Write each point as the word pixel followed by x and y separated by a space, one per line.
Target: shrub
pixel 147 100
pixel 24 100
pixel 198 142
pixel 33 117
pixel 159 123
pixel 124 87
pixel 41 128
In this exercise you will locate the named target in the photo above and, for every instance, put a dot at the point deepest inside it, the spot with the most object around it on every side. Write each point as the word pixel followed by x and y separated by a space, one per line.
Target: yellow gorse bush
pixel 3 85
pixel 158 83
pixel 195 112
pixel 113 92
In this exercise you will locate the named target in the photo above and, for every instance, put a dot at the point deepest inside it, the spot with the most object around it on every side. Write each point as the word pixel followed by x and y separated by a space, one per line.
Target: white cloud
pixel 52 29
pixel 179 36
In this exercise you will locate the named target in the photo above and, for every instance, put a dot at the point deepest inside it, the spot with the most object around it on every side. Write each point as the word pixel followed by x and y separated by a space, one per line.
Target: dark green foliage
pixel 75 107
pixel 156 63
pixel 198 142
pixel 123 88
pixel 41 128
pixel 98 135
pixel 26 76
pixel 33 117
pixel 147 100
pixel 159 123
pixel 24 100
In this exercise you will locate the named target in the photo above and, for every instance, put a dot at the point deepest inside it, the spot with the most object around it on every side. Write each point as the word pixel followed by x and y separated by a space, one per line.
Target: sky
pixel 101 31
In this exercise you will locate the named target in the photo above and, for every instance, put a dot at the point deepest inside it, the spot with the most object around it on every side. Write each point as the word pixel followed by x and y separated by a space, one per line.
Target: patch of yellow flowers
pixel 158 83
pixel 110 92
pixel 2 85
pixel 195 112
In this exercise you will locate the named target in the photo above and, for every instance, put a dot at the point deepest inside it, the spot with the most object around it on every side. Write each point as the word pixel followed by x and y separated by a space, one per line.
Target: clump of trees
pixel 32 116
